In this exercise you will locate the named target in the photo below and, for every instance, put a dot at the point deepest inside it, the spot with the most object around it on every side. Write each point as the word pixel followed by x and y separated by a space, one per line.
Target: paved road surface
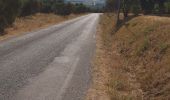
pixel 49 64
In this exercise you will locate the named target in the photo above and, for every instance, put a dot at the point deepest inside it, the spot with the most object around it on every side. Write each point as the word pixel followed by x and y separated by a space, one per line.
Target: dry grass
pixel 134 62
pixel 34 22
pixel 144 43
pixel 101 74
pixel 110 81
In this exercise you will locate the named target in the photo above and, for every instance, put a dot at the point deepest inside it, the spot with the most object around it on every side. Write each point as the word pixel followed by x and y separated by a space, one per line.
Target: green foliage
pixel 126 7
pixel 110 5
pixel 30 7
pixel 136 10
pixel 49 6
pixel 167 7
pixel 78 8
pixel 136 7
pixel 147 6
pixel 155 6
pixel 10 9
pixel 140 6
pixel 8 12
pixel 63 9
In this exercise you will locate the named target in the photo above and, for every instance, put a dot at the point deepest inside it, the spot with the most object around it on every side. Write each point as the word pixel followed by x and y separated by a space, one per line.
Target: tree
pixel 31 7
pixel 50 5
pixel 80 8
pixel 126 7
pixel 114 6
pixel 135 7
pixel 161 5
pixel 167 6
pixel 8 12
pixel 110 5
pixel 10 9
pixel 147 6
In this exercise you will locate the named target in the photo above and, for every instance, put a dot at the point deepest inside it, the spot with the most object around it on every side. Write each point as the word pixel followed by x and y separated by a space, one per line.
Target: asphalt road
pixel 49 64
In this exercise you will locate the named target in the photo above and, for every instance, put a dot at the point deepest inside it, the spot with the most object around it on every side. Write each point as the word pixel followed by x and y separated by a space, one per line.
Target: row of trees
pixel 55 6
pixel 10 9
pixel 139 6
pixel 155 6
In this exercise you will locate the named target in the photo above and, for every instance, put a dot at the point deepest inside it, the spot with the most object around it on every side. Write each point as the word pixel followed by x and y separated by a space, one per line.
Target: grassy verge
pixel 132 63
pixel 101 64
pixel 34 22
pixel 109 80
pixel 144 43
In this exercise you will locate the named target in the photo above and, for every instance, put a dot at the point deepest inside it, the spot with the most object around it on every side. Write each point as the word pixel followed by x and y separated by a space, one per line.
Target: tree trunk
pixel 125 13
pixel 117 10
pixel 125 9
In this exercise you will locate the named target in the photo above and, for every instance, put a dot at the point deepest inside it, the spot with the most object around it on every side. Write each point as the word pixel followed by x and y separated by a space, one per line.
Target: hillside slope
pixel 132 63
pixel 144 44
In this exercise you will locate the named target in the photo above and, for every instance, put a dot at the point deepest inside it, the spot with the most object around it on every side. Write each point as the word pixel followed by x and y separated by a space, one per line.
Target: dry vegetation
pixel 34 22
pixel 144 44
pixel 134 62
pixel 101 64
pixel 109 82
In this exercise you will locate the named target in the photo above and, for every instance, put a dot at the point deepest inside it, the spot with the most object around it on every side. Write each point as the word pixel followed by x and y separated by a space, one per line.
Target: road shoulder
pixel 34 22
